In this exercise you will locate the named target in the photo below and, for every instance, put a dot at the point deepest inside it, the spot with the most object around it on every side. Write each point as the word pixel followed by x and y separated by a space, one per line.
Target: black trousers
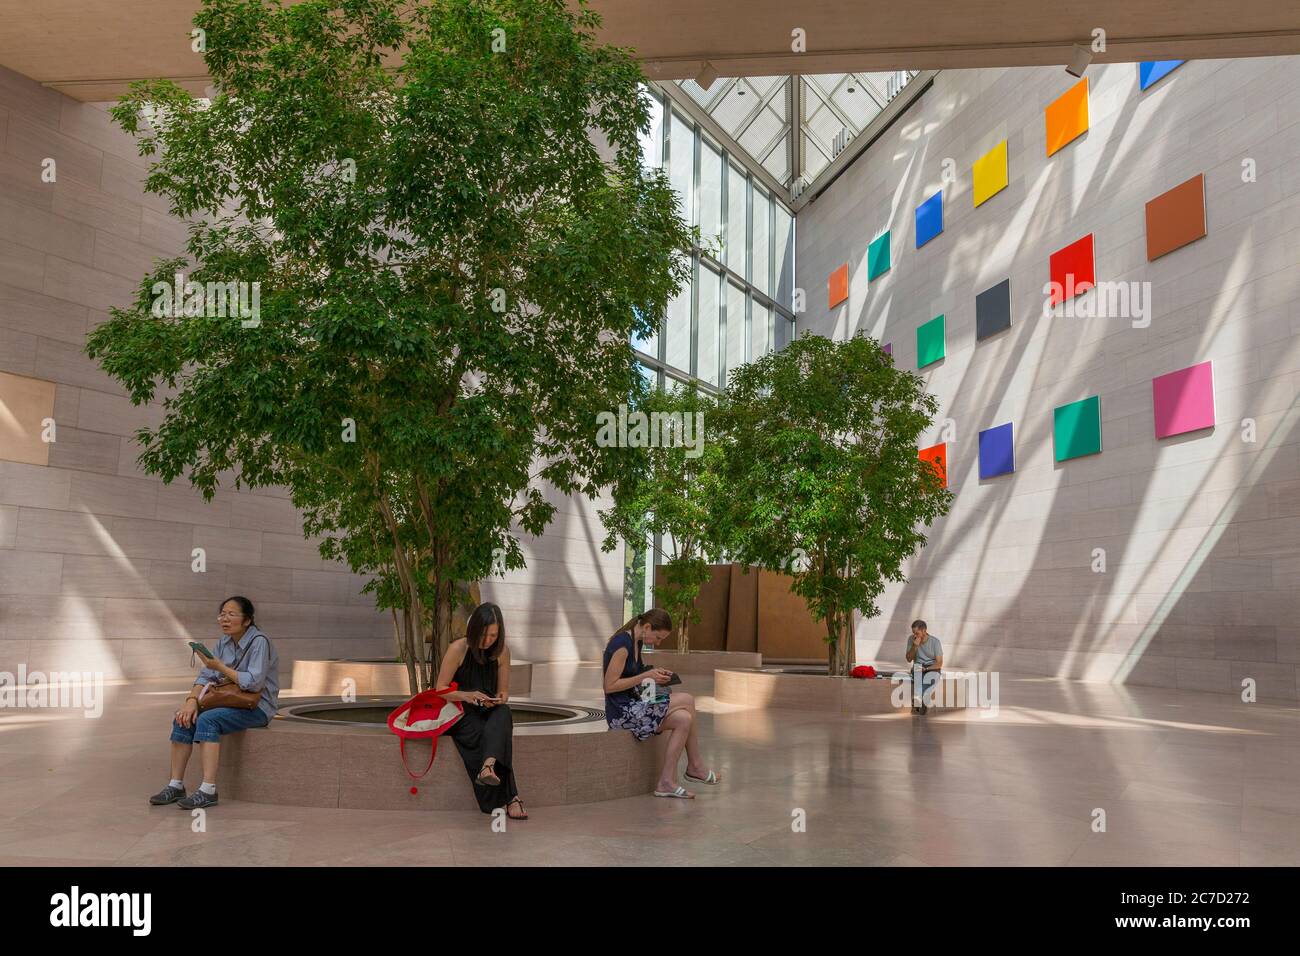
pixel 482 733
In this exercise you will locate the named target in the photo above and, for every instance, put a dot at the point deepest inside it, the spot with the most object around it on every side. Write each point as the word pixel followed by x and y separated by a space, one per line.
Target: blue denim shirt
pixel 260 667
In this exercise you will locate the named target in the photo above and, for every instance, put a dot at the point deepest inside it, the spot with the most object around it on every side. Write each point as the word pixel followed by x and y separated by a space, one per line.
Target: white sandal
pixel 711 779
pixel 681 793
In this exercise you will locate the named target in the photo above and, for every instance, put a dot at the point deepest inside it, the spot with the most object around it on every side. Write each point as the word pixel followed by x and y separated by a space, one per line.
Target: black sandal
pixel 487 777
pixel 523 814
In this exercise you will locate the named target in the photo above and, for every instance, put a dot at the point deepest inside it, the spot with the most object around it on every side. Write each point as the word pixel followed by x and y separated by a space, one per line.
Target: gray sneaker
pixel 198 800
pixel 166 795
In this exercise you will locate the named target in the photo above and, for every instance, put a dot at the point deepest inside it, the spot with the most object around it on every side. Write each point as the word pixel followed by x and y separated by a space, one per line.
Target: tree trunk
pixel 842 653
pixel 683 636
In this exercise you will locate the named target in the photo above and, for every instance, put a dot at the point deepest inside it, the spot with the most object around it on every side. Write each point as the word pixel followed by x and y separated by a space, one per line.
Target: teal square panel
pixel 1077 428
pixel 878 256
pixel 930 342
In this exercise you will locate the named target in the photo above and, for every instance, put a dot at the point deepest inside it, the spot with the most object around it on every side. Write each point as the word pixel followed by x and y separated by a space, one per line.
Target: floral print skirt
pixel 641 717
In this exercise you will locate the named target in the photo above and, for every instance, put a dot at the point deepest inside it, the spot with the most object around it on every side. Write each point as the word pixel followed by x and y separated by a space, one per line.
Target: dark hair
pixel 919 623
pixel 483 616
pixel 656 617
pixel 245 607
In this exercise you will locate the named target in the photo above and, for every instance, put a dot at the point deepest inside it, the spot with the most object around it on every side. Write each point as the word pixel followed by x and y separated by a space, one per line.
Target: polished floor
pixel 1182 778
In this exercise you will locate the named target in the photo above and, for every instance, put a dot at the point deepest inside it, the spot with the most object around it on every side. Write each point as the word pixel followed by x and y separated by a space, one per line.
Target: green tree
pixel 443 207
pixel 671 495
pixel 823 477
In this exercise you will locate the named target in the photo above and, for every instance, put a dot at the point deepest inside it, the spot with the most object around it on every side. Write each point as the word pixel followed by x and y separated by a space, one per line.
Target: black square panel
pixel 993 310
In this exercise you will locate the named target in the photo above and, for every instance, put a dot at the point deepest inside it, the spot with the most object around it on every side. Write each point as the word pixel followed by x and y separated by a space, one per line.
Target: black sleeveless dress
pixel 484 732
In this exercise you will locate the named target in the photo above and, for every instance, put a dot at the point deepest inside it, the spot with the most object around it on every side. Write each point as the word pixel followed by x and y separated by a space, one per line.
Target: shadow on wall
pixel 1201 534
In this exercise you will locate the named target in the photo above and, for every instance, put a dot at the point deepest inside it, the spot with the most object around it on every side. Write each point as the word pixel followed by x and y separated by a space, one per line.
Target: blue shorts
pixel 217 721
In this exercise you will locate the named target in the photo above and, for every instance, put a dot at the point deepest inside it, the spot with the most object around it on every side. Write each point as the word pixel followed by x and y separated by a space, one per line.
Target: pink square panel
pixel 1184 400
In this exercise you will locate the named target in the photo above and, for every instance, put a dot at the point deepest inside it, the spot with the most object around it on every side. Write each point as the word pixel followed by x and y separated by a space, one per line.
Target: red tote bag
pixel 427 714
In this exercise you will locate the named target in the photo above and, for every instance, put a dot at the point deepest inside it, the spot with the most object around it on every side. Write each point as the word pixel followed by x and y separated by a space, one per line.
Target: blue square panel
pixel 1151 72
pixel 929 219
pixel 997 451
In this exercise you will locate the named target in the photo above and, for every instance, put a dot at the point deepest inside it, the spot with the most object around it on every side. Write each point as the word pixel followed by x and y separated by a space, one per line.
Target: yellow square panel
pixel 1067 116
pixel 990 172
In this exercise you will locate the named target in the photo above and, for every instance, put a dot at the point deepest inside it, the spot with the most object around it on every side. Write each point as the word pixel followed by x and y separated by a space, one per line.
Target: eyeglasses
pixel 225 614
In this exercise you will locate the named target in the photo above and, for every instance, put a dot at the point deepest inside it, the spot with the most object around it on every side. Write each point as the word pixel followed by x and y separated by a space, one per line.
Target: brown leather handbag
pixel 228 693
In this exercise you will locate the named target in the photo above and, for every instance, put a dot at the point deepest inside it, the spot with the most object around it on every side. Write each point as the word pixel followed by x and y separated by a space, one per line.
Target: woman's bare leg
pixel 211 760
pixel 180 759
pixel 678 724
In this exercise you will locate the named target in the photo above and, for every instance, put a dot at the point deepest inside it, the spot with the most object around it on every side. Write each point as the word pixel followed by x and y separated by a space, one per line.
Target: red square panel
pixel 937 456
pixel 1072 270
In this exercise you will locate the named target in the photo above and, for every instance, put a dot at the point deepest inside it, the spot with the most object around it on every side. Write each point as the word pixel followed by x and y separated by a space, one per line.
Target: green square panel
pixel 929 342
pixel 878 256
pixel 1077 428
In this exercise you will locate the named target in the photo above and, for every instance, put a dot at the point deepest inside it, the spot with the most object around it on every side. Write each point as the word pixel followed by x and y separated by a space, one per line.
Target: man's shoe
pixel 166 795
pixel 198 800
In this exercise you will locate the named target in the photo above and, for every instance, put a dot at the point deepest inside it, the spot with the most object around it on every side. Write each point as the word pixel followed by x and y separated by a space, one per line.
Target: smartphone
pixel 676 679
pixel 200 649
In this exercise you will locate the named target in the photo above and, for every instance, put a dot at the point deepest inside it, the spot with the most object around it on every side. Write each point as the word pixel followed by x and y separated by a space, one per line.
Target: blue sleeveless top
pixel 617 703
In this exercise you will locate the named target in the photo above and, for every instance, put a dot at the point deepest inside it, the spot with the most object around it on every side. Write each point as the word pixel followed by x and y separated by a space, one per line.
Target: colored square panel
pixel 25 406
pixel 1184 400
pixel 929 219
pixel 990 172
pixel 837 286
pixel 889 349
pixel 993 310
pixel 997 451
pixel 878 256
pixel 937 456
pixel 1151 72
pixel 1072 270
pixel 1176 217
pixel 930 342
pixel 1067 116
pixel 1077 428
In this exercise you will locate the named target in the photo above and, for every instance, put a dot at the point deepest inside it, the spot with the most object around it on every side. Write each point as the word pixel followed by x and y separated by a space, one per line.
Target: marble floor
pixel 1183 779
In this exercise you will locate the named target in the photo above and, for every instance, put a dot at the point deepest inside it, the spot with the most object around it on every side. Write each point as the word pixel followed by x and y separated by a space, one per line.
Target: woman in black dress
pixel 479 663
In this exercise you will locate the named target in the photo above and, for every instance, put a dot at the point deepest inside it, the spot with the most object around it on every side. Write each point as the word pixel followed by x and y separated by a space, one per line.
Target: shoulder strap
pixel 248 648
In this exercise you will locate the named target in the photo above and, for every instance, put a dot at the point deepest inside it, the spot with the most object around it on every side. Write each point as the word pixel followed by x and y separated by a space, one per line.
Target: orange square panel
pixel 1176 217
pixel 1067 116
pixel 937 456
pixel 838 286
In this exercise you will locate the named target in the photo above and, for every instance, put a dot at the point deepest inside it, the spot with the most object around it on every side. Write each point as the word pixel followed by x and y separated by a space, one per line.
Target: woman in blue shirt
pixel 638 699
pixel 245 656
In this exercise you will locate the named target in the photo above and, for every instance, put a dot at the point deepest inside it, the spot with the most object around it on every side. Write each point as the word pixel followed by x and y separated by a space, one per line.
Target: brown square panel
pixel 1176 217
pixel 24 404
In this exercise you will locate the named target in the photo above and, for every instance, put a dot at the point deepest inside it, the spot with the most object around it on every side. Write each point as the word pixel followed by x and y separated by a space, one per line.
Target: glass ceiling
pixel 832 108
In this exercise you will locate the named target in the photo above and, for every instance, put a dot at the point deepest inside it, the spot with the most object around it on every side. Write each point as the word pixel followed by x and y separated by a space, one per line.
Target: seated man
pixel 925 654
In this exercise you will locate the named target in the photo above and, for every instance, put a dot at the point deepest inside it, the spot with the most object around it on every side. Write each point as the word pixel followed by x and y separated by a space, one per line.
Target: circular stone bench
pixel 701 662
pixel 324 678
pixel 317 764
pixel 824 694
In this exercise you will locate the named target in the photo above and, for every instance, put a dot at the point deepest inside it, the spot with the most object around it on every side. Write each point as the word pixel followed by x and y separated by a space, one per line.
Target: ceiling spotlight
pixel 707 75
pixel 1080 57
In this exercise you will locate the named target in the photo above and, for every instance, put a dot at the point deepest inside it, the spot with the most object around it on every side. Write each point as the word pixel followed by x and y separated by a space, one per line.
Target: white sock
pixel 208 788
pixel 176 783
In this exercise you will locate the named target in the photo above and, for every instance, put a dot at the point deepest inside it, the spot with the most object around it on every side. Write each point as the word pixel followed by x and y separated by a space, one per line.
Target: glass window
pixel 736 206
pixel 783 257
pixel 735 328
pixel 762 235
pixel 759 320
pixel 650 375
pixel 649 345
pixel 784 332
pixel 681 164
pixel 710 198
pixel 707 357
pixel 652 140
pixel 677 337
